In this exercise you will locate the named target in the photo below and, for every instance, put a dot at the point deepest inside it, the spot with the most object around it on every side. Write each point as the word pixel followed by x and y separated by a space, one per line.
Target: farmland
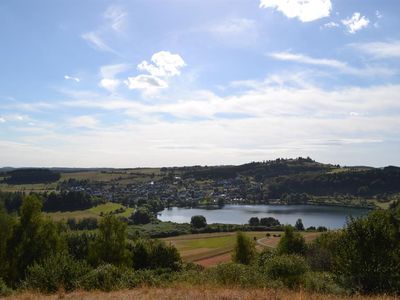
pixel 212 248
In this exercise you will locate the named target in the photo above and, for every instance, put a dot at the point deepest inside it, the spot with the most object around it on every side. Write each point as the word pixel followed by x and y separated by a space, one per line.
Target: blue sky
pixel 176 82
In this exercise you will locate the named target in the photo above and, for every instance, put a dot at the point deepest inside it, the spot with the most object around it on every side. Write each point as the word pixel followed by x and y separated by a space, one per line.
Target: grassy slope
pixel 197 292
pixel 93 212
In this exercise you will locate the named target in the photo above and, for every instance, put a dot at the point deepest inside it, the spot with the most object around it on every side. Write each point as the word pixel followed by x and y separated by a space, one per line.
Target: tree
pixel 34 239
pixel 110 244
pixel 7 224
pixel 198 221
pixel 367 255
pixel 141 216
pixel 254 221
pixel 299 225
pixel 291 242
pixel 269 222
pixel 245 249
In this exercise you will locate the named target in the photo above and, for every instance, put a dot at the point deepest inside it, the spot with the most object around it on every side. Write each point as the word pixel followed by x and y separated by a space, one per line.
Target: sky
pixel 135 83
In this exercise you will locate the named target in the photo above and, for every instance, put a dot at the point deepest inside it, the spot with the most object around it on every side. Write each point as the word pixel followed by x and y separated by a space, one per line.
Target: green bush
pixel 232 274
pixel 321 283
pixel 109 278
pixel 367 256
pixel 55 272
pixel 154 254
pixel 4 290
pixel 291 242
pixel 287 268
pixel 266 255
pixel 319 253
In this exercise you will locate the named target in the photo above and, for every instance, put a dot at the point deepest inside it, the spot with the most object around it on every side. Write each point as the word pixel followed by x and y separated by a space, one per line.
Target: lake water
pixel 332 217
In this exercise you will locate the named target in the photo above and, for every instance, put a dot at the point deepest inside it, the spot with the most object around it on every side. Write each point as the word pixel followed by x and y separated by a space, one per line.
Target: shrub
pixel 319 254
pixel 367 257
pixel 4 290
pixel 321 283
pixel 291 242
pixel 232 274
pixel 55 272
pixel 287 268
pixel 154 254
pixel 265 256
pixel 109 278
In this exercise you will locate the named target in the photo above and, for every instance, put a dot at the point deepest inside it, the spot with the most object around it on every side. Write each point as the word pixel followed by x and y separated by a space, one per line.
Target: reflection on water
pixel 312 215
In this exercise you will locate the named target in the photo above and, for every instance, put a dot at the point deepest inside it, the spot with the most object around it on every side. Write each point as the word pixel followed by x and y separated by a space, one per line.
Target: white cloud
pixel 332 63
pixel 282 120
pixel 2 120
pixel 95 40
pixel 67 77
pixel 304 10
pixel 355 23
pixel 83 122
pixel 109 84
pixel 300 58
pixel 108 73
pixel 117 16
pixel 331 25
pixel 115 19
pixel 389 49
pixel 146 82
pixel 164 63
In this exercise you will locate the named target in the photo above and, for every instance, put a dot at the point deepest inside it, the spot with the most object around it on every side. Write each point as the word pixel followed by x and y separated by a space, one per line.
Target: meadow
pixel 210 249
pixel 94 212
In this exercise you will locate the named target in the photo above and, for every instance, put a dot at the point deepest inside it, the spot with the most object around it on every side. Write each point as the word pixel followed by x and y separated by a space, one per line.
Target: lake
pixel 332 217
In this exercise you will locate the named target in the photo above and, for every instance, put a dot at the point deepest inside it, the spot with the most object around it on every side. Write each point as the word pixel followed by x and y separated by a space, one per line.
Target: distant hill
pixel 31 176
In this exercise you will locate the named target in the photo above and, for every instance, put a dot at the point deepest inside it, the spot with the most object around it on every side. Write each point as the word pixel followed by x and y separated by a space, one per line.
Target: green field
pixel 94 212
pixel 199 247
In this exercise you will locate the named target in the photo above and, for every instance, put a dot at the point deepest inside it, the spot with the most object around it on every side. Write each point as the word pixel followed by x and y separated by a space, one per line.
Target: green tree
pixel 34 239
pixel 7 224
pixel 291 242
pixel 299 225
pixel 141 216
pixel 368 253
pixel 245 249
pixel 198 221
pixel 110 244
pixel 254 221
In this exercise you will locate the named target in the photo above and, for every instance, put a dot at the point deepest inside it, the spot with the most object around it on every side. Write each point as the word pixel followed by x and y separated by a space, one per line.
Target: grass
pixel 94 212
pixel 198 247
pixel 194 292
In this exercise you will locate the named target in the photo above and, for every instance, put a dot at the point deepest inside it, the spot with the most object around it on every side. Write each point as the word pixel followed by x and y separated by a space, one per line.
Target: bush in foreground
pixel 286 268
pixel 60 271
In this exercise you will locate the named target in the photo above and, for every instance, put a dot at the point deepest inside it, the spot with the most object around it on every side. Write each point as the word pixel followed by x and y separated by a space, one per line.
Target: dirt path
pixel 215 260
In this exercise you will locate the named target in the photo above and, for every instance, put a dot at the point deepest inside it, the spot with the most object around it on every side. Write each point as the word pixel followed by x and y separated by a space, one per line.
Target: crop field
pixel 212 248
pixel 94 212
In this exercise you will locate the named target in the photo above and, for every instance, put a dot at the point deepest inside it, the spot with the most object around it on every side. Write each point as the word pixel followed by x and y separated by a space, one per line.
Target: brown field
pixel 194 293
